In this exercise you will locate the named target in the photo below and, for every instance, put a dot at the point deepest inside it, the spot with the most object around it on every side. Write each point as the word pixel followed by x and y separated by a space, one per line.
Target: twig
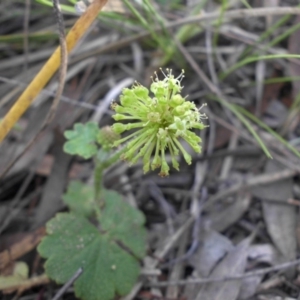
pixel 177 270
pixel 61 84
pixel 13 212
pixel 228 161
pixel 210 54
pixel 239 14
pixel 27 284
pixel 227 278
pixel 233 14
pixel 197 214
pixel 68 284
pixel 253 181
pixel 26 32
pixel 167 208
pixel 161 253
pixel 47 92
pixel 109 97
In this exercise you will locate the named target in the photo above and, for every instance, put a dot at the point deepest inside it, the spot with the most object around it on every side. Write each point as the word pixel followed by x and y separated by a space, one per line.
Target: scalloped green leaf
pixel 108 254
pixel 82 139
pixel 79 198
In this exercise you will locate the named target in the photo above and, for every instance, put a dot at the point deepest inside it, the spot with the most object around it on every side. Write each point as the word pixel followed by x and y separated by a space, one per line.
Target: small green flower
pixel 159 122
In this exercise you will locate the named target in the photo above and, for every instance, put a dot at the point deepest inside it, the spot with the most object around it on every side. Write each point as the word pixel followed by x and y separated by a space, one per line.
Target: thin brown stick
pixel 64 61
pixel 253 181
pixel 68 284
pixel 232 14
pixel 27 284
pixel 47 92
pixel 160 254
pixel 264 271
pixel 26 33
pixel 240 14
pixel 61 84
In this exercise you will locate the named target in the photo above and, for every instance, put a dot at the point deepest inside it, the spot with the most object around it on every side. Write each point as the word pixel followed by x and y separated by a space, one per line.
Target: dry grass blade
pixel 61 84
pixel 48 70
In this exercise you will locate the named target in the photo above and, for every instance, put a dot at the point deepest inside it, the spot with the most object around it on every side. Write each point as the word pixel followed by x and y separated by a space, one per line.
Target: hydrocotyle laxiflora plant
pixel 107 236
pixel 160 121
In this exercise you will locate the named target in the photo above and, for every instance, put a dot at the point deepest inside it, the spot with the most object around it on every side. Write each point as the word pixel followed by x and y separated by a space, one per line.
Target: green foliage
pixel 82 140
pixel 79 198
pixel 109 249
pixel 108 254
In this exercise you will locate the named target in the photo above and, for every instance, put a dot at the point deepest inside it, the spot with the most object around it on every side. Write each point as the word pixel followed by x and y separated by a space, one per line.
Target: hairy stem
pixel 101 166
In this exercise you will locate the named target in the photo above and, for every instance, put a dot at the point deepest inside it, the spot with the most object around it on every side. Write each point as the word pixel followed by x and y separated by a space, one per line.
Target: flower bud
pixel 176 100
pixel 154 117
pixel 119 128
pixel 107 136
pixel 141 92
pixel 179 110
pixel 119 117
pixel 129 93
pixel 126 100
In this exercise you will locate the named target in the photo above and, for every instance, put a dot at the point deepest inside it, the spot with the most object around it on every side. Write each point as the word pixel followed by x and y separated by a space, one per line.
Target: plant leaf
pixel 123 223
pixel 79 198
pixel 82 140
pixel 108 256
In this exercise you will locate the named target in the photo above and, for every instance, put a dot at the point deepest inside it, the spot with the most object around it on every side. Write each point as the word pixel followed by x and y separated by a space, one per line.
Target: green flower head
pixel 159 122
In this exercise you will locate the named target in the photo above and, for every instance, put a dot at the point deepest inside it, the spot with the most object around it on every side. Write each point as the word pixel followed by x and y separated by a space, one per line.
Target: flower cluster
pixel 159 122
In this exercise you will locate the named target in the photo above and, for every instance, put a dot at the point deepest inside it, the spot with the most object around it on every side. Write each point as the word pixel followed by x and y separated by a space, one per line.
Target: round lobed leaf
pixel 108 254
pixel 79 198
pixel 81 140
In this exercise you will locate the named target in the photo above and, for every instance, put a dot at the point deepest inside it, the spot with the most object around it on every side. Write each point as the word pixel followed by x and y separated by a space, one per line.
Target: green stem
pixel 114 158
pixel 98 182
pixel 101 165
